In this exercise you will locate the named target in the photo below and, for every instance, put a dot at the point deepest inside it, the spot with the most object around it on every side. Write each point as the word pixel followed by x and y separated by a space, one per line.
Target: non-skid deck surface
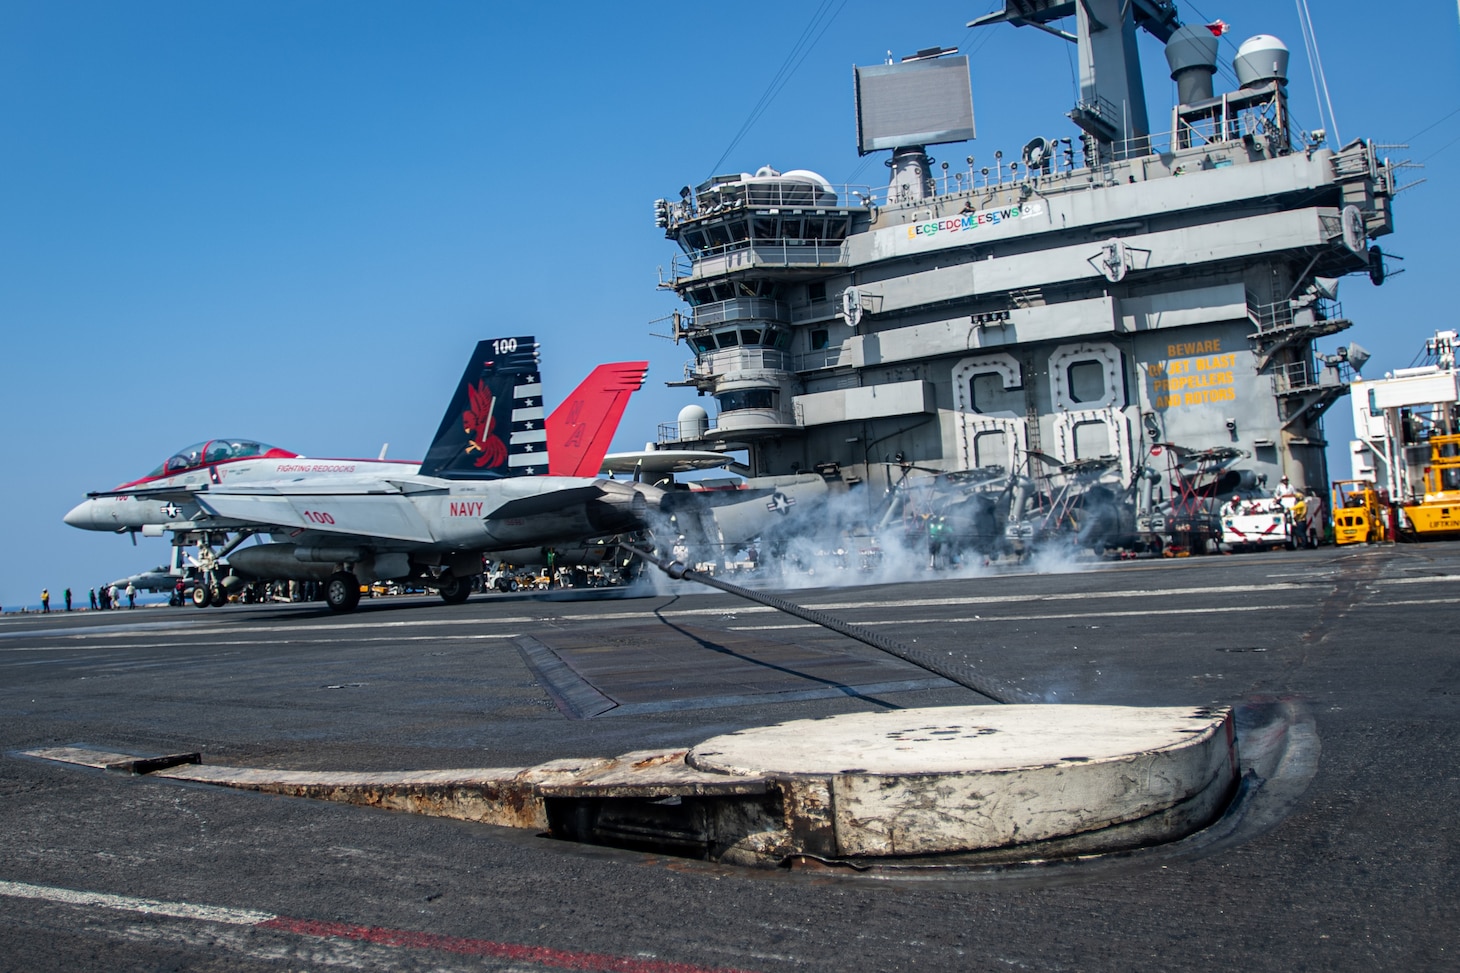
pixel 656 667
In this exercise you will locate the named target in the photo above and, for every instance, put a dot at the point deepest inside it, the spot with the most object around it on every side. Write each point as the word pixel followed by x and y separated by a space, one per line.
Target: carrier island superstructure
pixel 1100 297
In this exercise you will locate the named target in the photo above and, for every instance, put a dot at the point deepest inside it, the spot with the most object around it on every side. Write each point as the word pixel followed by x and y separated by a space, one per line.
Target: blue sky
pixel 291 221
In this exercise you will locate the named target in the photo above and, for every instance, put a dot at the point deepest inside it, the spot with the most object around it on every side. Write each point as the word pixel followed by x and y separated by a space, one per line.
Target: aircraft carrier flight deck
pixel 1342 857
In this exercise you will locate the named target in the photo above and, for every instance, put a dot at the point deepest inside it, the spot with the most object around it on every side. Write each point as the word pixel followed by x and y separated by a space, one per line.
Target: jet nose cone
pixel 80 515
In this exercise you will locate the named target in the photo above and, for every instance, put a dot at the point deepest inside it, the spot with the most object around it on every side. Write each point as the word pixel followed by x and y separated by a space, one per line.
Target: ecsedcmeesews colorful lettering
pixel 972 221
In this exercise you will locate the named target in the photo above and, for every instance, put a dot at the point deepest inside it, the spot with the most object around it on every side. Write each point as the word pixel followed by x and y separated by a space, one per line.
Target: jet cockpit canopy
pixel 212 451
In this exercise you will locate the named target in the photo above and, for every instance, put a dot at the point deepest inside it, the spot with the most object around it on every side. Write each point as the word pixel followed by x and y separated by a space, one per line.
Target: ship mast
pixel 1112 106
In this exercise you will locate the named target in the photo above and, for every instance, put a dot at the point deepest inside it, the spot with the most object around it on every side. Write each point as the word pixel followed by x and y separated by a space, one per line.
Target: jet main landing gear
pixel 342 591
pixel 453 590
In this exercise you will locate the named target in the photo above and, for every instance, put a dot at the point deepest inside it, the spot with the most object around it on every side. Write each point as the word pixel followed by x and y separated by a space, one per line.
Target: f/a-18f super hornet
pixel 578 434
pixel 488 483
pixel 158 579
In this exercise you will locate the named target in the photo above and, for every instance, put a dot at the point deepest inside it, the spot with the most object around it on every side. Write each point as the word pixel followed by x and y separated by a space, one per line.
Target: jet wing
pixel 380 509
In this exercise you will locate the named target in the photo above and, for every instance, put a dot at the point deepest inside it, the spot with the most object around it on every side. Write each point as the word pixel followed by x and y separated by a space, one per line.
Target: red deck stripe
pixel 408 939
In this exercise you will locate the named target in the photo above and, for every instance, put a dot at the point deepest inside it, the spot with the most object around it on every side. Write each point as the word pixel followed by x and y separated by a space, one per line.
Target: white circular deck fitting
pixel 951 779
pixel 1022 782
pixel 957 739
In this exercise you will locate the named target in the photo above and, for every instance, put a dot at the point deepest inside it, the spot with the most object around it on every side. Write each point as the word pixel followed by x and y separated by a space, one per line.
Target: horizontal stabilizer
pixel 546 503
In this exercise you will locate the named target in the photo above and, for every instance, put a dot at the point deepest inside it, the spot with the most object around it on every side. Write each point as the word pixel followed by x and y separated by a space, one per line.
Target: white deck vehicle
pixel 1261 523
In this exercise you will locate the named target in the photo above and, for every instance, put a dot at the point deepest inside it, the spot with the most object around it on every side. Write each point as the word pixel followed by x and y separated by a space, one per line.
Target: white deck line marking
pixel 1029 618
pixel 1095 614
pixel 171 643
pixel 352 943
pixel 740 609
pixel 1243 589
pixel 302 627
pixel 759 609
pixel 1437 579
pixel 126 903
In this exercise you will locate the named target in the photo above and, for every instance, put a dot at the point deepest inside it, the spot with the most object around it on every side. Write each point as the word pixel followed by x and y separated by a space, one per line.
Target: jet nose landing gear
pixel 204 595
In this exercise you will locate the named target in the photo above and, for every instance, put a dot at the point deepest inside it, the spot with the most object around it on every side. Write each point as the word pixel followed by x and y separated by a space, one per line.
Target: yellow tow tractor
pixel 1438 513
pixel 1356 512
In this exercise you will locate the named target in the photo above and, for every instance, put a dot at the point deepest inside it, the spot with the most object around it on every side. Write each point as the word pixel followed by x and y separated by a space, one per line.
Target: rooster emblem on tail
pixel 478 423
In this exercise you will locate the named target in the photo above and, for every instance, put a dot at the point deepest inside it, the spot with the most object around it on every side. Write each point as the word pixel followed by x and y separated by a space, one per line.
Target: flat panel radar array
pixel 920 102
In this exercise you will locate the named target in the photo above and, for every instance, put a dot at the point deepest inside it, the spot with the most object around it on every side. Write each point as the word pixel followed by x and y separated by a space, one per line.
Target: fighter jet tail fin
pixel 580 430
pixel 494 424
